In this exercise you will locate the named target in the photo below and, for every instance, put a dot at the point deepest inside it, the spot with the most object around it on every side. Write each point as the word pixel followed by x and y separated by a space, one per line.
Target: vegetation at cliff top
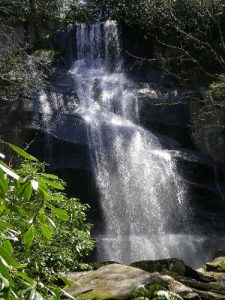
pixel 188 36
pixel 42 232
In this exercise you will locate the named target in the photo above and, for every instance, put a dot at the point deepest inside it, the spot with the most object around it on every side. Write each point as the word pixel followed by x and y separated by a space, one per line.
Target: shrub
pixel 42 232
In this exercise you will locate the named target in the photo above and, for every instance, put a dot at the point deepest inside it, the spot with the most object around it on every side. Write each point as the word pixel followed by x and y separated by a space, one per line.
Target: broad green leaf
pixel 22 153
pixel 46 231
pixel 4 184
pixel 25 191
pixel 60 213
pixel 9 172
pixel 17 185
pixel 4 225
pixel 54 184
pixel 8 246
pixel 4 282
pixel 29 236
pixel 41 215
pixel 43 189
pixel 5 273
pixel 56 292
pixel 67 282
pixel 8 258
pixel 24 276
pixel 50 176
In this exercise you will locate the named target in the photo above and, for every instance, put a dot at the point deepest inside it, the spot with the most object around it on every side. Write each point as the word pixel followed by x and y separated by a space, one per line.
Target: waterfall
pixel 143 198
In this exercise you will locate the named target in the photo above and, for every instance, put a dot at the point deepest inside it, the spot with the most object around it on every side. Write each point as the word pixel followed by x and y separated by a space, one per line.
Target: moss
pixel 216 266
pixel 96 295
pixel 192 296
pixel 217 88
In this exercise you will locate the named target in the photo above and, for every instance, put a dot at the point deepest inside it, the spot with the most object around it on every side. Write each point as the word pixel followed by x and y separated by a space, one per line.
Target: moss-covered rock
pixel 112 281
pixel 192 296
pixel 118 282
pixel 98 295
pixel 217 265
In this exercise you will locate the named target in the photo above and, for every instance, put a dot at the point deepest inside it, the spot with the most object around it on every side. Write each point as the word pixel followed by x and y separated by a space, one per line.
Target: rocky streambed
pixel 146 280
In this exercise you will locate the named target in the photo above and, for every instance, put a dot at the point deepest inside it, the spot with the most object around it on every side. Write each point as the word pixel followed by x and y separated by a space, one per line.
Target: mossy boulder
pixel 192 296
pixel 118 282
pixel 112 281
pixel 217 265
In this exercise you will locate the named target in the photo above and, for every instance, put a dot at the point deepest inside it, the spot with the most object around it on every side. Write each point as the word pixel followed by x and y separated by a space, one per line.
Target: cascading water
pixel 143 198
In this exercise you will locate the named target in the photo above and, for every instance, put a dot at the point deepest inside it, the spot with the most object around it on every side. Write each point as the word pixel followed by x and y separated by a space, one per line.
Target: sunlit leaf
pixel 2 155
pixel 43 189
pixel 5 273
pixel 4 225
pixel 34 295
pixel 26 191
pixel 60 213
pixel 4 282
pixel 9 172
pixel 24 276
pixel 52 222
pixel 8 258
pixel 38 296
pixel 67 282
pixel 42 215
pixel 4 184
pixel 50 176
pixel 22 153
pixel 34 184
pixel 56 185
pixel 67 295
pixel 8 246
pixel 46 231
pixel 56 292
pixel 29 236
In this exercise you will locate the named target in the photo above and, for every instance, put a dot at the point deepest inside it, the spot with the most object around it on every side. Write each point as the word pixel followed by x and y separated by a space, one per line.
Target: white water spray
pixel 143 198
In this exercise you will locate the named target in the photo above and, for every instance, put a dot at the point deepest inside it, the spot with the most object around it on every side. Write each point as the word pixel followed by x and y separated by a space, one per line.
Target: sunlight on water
pixel 143 198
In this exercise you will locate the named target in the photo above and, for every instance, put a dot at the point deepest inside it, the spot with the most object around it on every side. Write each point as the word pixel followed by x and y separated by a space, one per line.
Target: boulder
pixel 171 264
pixel 112 281
pixel 116 281
pixel 98 265
pixel 217 265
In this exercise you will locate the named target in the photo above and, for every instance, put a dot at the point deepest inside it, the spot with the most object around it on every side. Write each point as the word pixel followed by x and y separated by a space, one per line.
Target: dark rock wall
pixel 61 138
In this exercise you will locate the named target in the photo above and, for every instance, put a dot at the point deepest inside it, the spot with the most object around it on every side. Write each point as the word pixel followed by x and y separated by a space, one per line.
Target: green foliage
pixel 155 292
pixel 217 88
pixel 148 292
pixel 19 11
pixel 22 24
pixel 188 35
pixel 78 13
pixel 42 232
